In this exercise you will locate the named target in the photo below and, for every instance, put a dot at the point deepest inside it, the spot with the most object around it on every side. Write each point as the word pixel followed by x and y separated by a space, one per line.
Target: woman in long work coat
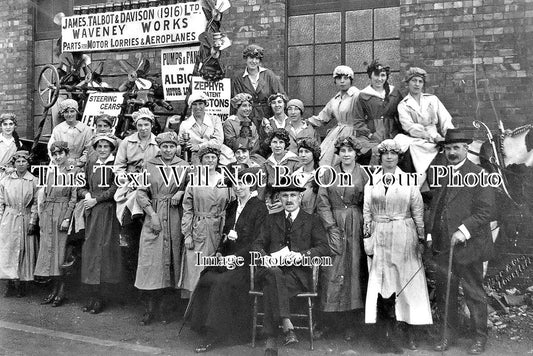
pixel 55 213
pixel 222 304
pixel 101 256
pixel 340 209
pixel 18 225
pixel 204 214
pixel 160 242
pixel 394 220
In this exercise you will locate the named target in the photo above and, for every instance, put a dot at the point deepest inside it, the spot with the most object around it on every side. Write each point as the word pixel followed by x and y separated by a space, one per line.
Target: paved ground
pixel 28 328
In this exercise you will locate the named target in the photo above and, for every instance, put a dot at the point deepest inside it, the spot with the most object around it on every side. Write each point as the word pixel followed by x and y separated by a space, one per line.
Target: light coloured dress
pixel 57 204
pixel 18 209
pixel 131 157
pixel 424 123
pixel 78 138
pixel 340 209
pixel 204 214
pixel 160 255
pixel 7 149
pixel 397 218
pixel 210 132
pixel 342 108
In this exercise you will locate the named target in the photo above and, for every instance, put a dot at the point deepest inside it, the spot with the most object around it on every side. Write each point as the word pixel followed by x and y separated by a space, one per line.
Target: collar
pixel 288 154
pixel 252 194
pixel 208 121
pixel 372 92
pixel 351 92
pixel 409 98
pixel 108 159
pixel 284 122
pixel 5 139
pixel 135 138
pixel 75 126
pixel 157 160
pixel 245 74
pixel 26 176
pixel 304 126
pixel 459 165
pixel 294 214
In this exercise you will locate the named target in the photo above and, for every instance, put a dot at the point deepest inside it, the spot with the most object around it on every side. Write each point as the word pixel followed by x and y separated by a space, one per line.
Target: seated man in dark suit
pixel 301 235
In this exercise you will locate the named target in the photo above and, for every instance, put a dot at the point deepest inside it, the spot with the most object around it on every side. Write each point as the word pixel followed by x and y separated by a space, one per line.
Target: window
pixel 325 33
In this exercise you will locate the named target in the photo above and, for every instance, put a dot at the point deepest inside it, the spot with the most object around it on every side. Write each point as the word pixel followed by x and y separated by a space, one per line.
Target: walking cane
pixel 448 286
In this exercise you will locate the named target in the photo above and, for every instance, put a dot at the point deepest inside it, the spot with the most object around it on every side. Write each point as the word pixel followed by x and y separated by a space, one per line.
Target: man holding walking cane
pixel 459 224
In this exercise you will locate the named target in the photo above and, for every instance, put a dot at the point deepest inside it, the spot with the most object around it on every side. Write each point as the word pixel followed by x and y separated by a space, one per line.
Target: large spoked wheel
pixel 48 86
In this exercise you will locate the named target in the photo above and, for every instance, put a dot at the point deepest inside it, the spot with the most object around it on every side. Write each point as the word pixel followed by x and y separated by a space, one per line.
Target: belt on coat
pixel 17 211
pixel 388 218
pixel 163 197
pixel 339 207
pixel 208 215
pixel 57 200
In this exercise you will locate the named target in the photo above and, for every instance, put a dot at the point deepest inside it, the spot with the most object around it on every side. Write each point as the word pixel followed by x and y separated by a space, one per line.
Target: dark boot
pixel 91 292
pixel 98 304
pixel 11 291
pixel 60 296
pixel 21 289
pixel 410 337
pixel 53 293
pixel 162 309
pixel 148 315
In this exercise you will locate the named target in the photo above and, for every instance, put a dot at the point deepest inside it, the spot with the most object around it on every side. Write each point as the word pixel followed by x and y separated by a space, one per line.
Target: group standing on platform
pixel 366 221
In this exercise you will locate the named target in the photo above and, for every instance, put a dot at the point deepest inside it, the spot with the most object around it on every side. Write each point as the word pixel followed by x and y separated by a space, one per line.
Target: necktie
pixel 288 228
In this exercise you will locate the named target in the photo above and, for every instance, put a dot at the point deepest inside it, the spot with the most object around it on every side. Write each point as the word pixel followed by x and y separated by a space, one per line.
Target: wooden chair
pixel 256 293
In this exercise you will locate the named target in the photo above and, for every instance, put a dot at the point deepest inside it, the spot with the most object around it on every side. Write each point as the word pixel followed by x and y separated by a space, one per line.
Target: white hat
pixel 343 70
pixel 196 96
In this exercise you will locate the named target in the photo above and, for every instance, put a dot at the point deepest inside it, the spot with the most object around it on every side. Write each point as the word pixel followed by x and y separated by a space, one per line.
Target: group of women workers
pixel 182 220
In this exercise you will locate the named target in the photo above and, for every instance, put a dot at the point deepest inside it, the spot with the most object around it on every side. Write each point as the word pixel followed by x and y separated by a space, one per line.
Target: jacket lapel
pixel 299 221
pixel 454 191
pixel 280 220
pixel 260 82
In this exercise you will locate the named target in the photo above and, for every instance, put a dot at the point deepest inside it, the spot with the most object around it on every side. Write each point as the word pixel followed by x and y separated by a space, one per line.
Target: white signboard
pixel 218 94
pixel 177 65
pixel 160 26
pixel 102 103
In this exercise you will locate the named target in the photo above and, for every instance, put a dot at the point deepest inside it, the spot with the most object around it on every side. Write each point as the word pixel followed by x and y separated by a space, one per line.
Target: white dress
pixel 397 218
pixel 424 123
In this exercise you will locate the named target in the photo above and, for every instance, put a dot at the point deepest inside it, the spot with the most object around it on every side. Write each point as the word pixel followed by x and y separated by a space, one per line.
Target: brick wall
pixel 439 36
pixel 16 59
pixel 256 21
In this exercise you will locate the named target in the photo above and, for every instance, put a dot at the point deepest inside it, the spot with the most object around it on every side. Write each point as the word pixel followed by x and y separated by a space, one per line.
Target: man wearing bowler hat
pixel 300 234
pixel 460 216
